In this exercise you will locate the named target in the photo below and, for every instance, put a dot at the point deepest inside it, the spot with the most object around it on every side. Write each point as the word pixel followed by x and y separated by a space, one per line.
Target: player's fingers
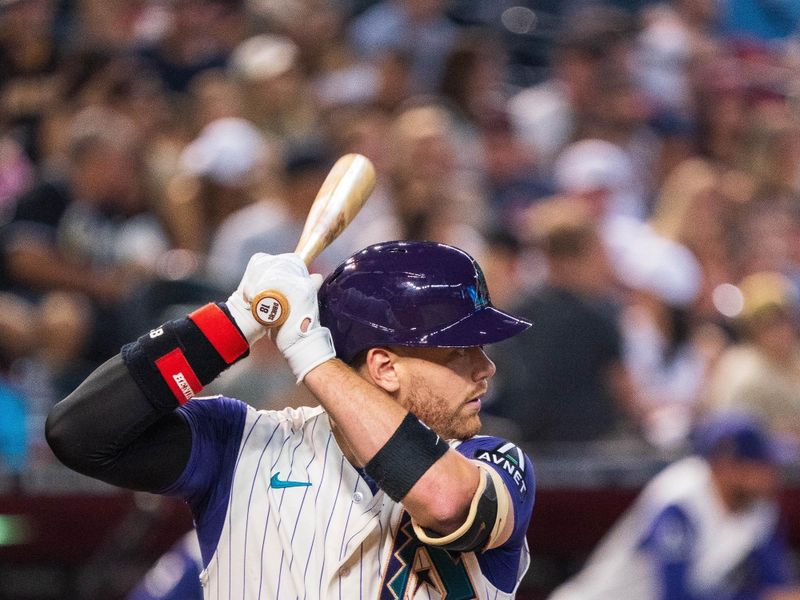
pixel 294 259
pixel 259 260
pixel 284 264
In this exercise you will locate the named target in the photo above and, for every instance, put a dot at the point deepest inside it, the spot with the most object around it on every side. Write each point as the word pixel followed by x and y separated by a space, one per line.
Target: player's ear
pixel 380 365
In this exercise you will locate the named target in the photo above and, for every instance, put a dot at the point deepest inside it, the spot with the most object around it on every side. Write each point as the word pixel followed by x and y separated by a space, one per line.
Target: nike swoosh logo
pixel 277 484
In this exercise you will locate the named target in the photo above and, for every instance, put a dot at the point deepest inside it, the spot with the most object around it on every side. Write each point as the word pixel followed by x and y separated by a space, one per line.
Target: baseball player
pixel 385 491
pixel 705 528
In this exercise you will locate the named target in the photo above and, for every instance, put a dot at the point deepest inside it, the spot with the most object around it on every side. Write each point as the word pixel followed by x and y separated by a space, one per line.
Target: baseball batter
pixel 385 491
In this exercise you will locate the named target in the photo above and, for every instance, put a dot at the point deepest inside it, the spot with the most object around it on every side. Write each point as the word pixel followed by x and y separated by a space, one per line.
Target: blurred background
pixel 627 173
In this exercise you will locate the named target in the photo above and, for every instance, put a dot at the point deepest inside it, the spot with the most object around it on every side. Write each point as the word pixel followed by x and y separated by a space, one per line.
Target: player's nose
pixel 483 367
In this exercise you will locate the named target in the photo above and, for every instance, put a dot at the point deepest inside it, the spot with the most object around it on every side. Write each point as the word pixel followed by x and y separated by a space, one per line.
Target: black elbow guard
pixel 486 520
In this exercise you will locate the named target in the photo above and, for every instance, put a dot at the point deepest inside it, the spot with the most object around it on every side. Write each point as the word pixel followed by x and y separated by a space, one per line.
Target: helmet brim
pixel 487 325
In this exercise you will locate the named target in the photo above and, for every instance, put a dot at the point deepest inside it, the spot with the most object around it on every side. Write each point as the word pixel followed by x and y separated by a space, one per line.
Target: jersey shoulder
pixel 296 418
pixel 505 565
pixel 505 457
pixel 218 408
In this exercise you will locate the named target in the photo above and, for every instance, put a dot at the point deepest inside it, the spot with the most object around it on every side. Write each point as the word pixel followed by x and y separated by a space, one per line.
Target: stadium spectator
pixel 222 170
pixel 278 97
pixel 604 176
pixel 89 231
pixel 191 38
pixel 721 103
pixel 694 210
pixel 569 382
pixel 32 65
pixel 511 175
pixel 762 373
pixel 429 196
pixel 595 39
pixel 417 28
pixel 273 222
pixel 666 353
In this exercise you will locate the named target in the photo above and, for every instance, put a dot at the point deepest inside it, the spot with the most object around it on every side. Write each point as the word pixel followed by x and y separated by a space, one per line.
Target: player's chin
pixel 465 427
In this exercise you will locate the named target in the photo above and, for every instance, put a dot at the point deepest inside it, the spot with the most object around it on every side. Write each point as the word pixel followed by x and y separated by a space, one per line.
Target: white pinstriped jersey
pixel 281 514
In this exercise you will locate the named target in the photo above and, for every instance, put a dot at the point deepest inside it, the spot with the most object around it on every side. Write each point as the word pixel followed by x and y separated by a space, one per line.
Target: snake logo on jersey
pixel 425 565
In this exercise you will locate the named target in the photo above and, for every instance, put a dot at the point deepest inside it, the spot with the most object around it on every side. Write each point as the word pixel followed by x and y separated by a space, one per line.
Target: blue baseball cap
pixel 737 435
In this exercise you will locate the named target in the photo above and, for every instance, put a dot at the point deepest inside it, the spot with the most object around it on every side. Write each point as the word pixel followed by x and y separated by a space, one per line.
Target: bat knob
pixel 270 308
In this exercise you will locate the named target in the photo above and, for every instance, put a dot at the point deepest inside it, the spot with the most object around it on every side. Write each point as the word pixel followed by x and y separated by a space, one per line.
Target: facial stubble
pixel 434 411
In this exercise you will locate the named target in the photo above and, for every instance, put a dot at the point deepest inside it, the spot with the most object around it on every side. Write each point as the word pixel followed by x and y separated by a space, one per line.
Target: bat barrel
pixel 343 193
pixel 347 187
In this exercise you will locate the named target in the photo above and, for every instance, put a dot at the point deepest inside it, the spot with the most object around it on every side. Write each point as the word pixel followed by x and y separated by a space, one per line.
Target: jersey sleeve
pixel 216 425
pixel 669 543
pixel 772 559
pixel 501 565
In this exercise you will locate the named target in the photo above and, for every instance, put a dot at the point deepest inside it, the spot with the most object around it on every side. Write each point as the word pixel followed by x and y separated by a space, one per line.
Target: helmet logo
pixel 478 299
pixel 479 294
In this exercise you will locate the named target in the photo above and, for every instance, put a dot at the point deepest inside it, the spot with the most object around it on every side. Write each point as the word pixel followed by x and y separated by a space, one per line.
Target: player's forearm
pixel 107 429
pixel 368 417
pixel 120 425
pixel 364 414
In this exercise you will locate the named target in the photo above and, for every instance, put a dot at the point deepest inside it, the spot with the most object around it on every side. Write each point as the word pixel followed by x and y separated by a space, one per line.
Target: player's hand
pixel 301 339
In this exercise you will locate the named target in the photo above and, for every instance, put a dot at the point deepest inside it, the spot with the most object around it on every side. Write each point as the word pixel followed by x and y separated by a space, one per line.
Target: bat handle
pixel 270 308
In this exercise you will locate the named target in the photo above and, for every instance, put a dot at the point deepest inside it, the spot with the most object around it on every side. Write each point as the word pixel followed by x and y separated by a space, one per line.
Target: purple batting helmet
pixel 411 294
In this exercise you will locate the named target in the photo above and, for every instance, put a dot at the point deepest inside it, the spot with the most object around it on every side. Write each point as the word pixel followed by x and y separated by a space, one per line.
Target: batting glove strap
pixel 173 362
pixel 310 350
pixel 241 314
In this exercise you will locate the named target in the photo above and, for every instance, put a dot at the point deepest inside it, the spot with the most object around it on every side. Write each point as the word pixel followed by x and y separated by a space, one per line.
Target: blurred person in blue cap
pixel 704 528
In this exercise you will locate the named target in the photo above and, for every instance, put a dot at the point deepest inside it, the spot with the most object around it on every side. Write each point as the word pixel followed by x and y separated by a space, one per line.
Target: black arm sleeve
pixel 108 430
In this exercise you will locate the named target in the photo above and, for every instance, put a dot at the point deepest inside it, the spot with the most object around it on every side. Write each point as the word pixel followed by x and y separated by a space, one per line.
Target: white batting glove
pixel 288 275
pixel 239 302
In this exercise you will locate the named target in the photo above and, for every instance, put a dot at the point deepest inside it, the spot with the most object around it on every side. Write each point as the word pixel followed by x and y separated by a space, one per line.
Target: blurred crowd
pixel 628 174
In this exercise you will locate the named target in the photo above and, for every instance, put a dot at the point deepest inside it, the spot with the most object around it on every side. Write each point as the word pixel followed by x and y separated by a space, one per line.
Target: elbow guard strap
pixel 175 361
pixel 487 522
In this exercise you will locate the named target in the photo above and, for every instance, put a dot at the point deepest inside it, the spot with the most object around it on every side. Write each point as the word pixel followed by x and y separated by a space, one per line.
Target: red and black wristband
pixel 172 363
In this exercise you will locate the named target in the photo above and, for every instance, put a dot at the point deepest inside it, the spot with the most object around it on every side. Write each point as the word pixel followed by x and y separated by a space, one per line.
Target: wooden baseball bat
pixel 343 193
